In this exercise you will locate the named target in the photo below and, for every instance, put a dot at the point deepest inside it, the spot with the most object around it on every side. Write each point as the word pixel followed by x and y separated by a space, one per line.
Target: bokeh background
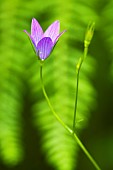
pixel 30 137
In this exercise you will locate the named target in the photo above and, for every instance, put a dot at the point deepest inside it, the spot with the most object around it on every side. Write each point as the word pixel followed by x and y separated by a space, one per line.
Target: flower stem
pixel 63 124
pixel 88 38
pixel 79 64
pixel 86 152
pixel 48 101
pixel 76 98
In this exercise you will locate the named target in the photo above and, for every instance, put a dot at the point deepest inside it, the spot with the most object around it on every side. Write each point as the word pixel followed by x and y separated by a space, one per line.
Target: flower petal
pixel 36 31
pixel 53 30
pixel 30 38
pixel 59 36
pixel 44 47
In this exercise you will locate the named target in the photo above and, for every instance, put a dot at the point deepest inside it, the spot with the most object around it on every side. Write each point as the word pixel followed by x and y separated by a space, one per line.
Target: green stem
pixel 86 152
pixel 76 99
pixel 64 125
pixel 77 83
pixel 48 101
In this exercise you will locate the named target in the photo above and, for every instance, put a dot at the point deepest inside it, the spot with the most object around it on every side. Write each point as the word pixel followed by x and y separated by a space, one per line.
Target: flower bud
pixel 89 34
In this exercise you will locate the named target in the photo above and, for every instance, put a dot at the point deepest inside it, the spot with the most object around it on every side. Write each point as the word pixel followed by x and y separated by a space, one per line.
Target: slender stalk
pixel 77 84
pixel 49 103
pixel 64 125
pixel 86 152
pixel 76 98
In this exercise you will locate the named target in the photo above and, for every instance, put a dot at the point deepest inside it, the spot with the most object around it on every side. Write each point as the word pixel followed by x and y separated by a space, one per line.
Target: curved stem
pixel 64 125
pixel 48 101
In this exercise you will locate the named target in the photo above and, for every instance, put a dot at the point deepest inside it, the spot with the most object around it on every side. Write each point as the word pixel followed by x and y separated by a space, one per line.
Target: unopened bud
pixel 89 34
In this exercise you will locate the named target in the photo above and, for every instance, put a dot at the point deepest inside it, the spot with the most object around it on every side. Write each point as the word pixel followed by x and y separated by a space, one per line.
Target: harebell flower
pixel 43 42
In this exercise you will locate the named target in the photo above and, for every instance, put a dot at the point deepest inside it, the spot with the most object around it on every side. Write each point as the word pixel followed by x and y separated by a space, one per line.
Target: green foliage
pixel 19 75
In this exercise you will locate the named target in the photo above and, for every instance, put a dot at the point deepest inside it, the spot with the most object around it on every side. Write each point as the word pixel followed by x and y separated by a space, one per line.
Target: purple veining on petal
pixel 59 36
pixel 53 30
pixel 44 47
pixel 36 31
pixel 44 42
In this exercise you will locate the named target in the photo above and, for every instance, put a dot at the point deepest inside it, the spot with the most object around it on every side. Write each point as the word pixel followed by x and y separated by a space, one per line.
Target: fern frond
pixel 11 85
pixel 108 33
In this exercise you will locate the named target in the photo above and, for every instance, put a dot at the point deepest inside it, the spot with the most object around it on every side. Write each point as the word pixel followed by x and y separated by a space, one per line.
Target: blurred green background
pixel 30 137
